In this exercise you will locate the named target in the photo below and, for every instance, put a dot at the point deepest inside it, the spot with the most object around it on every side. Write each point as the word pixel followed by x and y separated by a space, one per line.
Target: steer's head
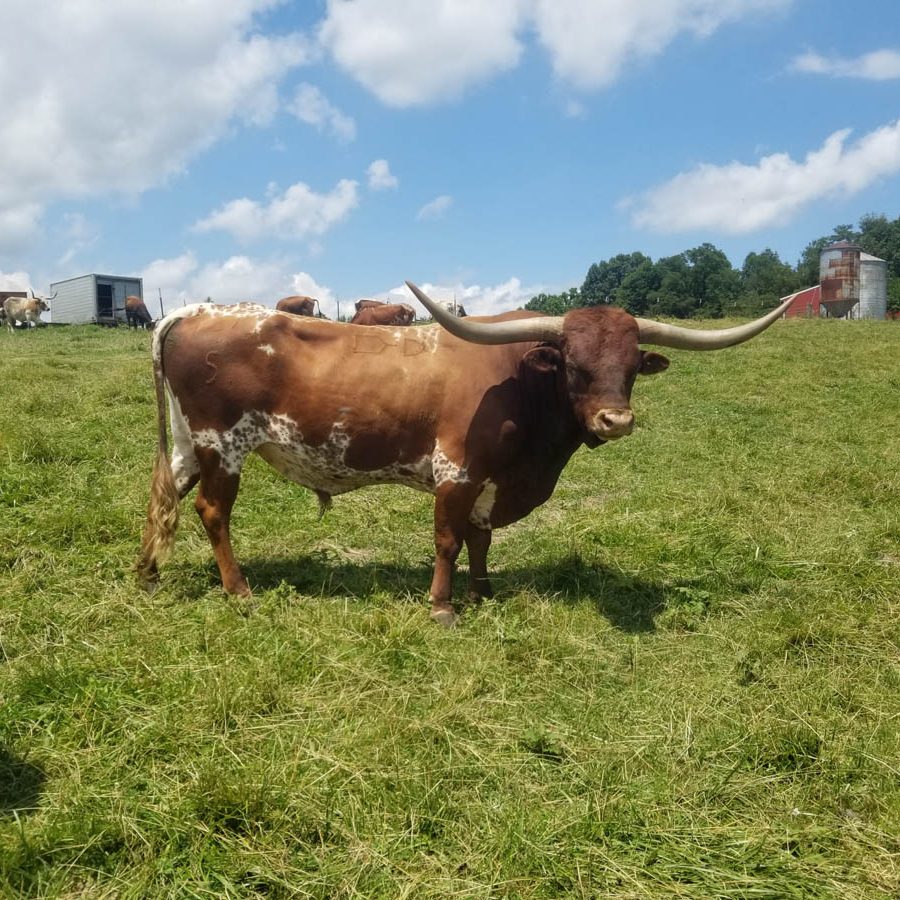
pixel 42 304
pixel 598 352
pixel 598 349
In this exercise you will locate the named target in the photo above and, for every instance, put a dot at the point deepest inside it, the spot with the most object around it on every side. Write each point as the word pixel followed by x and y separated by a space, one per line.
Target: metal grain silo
pixel 872 287
pixel 839 278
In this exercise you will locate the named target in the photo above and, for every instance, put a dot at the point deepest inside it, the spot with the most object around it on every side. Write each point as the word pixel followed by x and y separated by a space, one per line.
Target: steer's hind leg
pixel 215 499
pixel 452 504
pixel 185 472
pixel 478 542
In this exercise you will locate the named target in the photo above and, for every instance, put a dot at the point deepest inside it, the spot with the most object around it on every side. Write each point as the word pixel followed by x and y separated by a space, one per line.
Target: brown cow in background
pixel 368 304
pixel 298 306
pixel 384 314
pixel 136 313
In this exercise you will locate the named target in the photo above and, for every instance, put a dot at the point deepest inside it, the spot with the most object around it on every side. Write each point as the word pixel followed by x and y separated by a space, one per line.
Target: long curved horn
pixel 540 328
pixel 664 335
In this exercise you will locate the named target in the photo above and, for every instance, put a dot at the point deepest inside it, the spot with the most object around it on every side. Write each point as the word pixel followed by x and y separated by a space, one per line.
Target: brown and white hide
pixel 484 418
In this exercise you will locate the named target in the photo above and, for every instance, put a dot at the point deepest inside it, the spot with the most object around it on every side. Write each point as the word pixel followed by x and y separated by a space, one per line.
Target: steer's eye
pixel 578 380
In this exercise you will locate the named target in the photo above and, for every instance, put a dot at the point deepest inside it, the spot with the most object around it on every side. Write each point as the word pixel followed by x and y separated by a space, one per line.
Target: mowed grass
pixel 688 684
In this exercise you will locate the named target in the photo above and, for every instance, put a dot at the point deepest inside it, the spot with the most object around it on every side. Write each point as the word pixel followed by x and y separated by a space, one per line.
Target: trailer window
pixel 104 301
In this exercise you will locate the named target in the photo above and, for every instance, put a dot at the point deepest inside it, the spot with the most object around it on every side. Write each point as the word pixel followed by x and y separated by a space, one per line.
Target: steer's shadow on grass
pixel 626 601
pixel 21 784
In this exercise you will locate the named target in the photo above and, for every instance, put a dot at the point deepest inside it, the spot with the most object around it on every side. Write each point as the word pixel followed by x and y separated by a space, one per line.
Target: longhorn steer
pixel 24 310
pixel 383 314
pixel 486 429
pixel 136 313
pixel 298 306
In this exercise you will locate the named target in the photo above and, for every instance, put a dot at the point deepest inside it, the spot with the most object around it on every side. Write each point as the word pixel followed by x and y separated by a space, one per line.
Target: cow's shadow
pixel 21 785
pixel 627 602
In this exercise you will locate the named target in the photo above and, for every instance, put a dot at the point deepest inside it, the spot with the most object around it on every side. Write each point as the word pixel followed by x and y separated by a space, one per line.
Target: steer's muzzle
pixel 609 424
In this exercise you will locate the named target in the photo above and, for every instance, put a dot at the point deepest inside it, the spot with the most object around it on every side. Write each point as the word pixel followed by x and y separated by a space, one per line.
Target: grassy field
pixel 687 686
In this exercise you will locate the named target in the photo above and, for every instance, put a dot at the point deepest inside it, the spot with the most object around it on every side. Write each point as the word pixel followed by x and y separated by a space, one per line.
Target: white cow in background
pixel 24 310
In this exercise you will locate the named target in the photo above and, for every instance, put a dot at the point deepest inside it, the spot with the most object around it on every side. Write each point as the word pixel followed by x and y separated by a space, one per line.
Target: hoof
pixel 445 617
pixel 148 581
pixel 238 588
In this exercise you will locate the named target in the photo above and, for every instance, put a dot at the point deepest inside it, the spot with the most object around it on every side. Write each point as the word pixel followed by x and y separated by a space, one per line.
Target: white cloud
pixel 171 277
pixel 15 281
pixel 478 300
pixel 238 279
pixel 380 177
pixel 591 42
pixel 183 280
pixel 879 65
pixel 412 54
pixel 19 225
pixel 737 198
pixel 310 105
pixel 486 301
pixel 296 214
pixel 435 209
pixel 156 84
pixel 304 285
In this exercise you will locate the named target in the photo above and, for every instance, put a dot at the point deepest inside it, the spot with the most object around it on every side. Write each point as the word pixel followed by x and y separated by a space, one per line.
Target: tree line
pixel 703 282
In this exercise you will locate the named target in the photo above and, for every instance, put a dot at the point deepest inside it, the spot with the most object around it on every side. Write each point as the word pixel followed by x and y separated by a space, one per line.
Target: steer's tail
pixel 162 512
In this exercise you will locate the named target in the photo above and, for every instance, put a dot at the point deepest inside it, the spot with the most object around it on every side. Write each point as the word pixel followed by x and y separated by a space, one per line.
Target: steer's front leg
pixel 478 542
pixel 452 504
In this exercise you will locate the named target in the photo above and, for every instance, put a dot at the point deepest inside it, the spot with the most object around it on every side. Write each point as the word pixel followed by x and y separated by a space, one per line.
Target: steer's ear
pixel 544 359
pixel 652 363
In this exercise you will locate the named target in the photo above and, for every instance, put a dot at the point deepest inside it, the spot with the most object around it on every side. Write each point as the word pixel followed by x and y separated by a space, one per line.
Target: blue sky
pixel 253 149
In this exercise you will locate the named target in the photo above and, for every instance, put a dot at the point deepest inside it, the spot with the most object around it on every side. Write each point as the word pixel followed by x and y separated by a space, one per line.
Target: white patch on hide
pixel 184 461
pixel 322 468
pixel 480 516
pixel 445 469
pixel 267 348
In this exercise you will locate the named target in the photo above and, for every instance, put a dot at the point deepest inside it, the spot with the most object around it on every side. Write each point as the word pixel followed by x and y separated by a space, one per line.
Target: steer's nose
pixel 610 424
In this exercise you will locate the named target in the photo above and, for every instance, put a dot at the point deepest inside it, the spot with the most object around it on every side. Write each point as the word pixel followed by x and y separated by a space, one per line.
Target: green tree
pixel 555 304
pixel 808 265
pixel 604 279
pixel 893 295
pixel 881 237
pixel 639 289
pixel 714 283
pixel 700 281
pixel 765 279
pixel 674 296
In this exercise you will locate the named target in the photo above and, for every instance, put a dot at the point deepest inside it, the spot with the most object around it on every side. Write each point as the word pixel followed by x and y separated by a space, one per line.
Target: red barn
pixel 807 303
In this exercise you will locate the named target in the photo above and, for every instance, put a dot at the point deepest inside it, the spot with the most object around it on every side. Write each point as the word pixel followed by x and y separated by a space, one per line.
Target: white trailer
pixel 93 298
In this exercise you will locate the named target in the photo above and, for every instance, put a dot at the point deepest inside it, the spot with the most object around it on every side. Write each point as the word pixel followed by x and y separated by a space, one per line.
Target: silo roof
pixel 868 257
